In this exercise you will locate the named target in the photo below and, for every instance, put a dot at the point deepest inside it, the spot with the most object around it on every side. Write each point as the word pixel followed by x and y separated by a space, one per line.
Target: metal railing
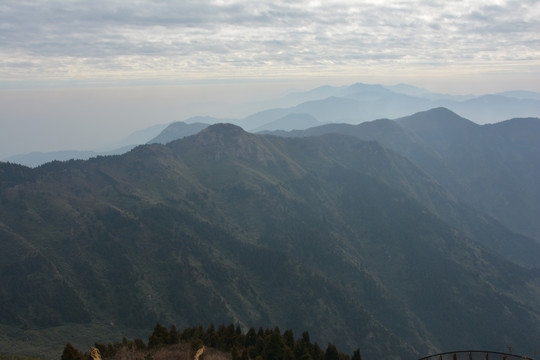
pixel 475 355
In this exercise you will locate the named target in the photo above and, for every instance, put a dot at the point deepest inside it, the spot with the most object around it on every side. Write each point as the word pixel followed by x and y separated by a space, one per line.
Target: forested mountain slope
pixel 494 168
pixel 330 234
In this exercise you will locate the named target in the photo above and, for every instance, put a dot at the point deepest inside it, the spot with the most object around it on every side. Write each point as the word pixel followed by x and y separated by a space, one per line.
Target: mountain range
pixel 330 104
pixel 494 168
pixel 373 239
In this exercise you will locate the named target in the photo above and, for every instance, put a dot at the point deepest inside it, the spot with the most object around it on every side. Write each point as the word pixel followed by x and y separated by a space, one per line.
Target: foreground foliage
pixel 225 342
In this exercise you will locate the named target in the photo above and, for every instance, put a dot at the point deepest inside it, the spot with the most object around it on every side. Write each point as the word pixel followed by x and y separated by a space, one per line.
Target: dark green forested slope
pixel 327 234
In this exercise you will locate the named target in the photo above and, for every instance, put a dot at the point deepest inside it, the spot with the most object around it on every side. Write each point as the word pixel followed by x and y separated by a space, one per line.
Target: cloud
pixel 190 39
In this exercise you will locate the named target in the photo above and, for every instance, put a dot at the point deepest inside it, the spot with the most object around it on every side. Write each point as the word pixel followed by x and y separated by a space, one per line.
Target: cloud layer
pixel 178 40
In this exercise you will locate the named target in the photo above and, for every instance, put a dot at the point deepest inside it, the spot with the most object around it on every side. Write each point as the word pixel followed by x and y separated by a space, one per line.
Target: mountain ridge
pixel 476 163
pixel 320 233
pixel 364 102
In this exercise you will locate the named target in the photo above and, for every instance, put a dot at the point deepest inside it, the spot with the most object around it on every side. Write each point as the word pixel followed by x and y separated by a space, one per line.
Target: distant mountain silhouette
pixel 351 104
pixel 365 102
pixel 177 130
pixel 290 122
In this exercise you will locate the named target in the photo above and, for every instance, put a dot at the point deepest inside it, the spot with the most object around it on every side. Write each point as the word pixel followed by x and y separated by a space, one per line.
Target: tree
pixel 139 344
pixel 70 353
pixel 288 338
pixel 331 352
pixel 210 338
pixel 289 354
pixel 251 338
pixel 174 335
pixel 274 348
pixel 357 355
pixel 159 337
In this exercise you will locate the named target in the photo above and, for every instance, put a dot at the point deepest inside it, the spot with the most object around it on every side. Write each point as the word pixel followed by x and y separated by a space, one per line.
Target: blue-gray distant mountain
pixel 138 137
pixel 520 94
pixel 34 159
pixel 494 168
pixel 343 104
pixel 365 102
pixel 495 108
pixel 290 122
pixel 178 130
pixel 329 234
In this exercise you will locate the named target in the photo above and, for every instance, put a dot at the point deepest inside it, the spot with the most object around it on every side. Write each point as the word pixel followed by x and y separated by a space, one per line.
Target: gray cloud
pixel 184 38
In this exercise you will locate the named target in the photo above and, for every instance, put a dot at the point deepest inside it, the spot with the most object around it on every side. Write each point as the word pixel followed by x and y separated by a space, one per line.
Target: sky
pixel 82 74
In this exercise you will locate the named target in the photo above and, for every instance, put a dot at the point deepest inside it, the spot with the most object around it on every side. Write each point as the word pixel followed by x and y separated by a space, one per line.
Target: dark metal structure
pixel 475 355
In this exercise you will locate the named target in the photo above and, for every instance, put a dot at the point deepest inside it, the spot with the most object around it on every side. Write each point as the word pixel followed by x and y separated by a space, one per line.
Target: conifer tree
pixel 229 337
pixel 288 339
pixel 274 348
pixel 210 337
pixel 331 353
pixel 159 337
pixel 139 344
pixel 174 336
pixel 251 338
pixel 71 353
pixel 289 354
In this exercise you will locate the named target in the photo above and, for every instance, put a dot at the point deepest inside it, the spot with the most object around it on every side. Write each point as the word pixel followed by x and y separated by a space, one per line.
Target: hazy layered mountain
pixel 521 94
pixel 495 108
pixel 290 122
pixel 177 130
pixel 330 234
pixel 328 104
pixel 138 137
pixel 34 159
pixel 494 168
pixel 365 102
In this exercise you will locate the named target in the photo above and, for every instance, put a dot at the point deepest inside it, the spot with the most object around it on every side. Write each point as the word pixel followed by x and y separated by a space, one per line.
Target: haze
pixel 83 74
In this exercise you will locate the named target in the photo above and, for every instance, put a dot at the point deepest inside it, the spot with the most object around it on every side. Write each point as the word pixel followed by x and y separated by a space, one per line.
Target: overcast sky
pixel 101 56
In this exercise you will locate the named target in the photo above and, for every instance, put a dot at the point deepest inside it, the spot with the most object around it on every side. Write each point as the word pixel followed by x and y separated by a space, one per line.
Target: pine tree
pixel 174 336
pixel 159 337
pixel 274 348
pixel 229 337
pixel 139 344
pixel 289 354
pixel 251 338
pixel 70 353
pixel 331 353
pixel 288 338
pixel 210 338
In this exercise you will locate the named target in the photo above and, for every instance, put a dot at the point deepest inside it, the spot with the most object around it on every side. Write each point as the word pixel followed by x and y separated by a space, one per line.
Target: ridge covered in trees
pixel 330 233
pixel 261 344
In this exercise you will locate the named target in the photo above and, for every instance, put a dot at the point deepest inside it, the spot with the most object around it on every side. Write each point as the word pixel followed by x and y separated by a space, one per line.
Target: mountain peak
pixel 225 128
pixel 231 141
pixel 220 133
pixel 439 119
pixel 439 111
